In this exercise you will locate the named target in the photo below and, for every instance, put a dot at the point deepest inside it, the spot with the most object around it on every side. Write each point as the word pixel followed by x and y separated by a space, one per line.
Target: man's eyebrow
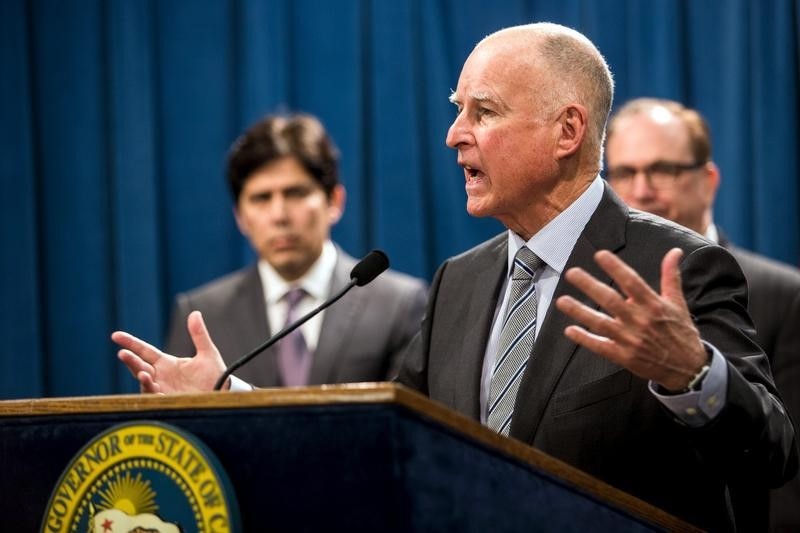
pixel 482 96
pixel 478 96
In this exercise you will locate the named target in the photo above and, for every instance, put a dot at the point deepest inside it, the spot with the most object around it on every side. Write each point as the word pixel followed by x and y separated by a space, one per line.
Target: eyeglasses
pixel 660 175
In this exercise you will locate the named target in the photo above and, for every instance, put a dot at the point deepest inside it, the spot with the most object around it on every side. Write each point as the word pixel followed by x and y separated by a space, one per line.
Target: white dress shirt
pixel 317 284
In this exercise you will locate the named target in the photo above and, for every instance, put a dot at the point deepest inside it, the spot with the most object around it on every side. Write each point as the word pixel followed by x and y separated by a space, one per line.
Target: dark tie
pixel 294 358
pixel 515 343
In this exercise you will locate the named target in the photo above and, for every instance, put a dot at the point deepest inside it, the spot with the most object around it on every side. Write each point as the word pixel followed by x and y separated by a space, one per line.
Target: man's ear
pixel 336 204
pixel 573 122
pixel 240 222
pixel 712 179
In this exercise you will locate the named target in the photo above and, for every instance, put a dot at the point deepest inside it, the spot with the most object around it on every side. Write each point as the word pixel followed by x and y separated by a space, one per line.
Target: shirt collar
pixel 712 234
pixel 316 282
pixel 553 243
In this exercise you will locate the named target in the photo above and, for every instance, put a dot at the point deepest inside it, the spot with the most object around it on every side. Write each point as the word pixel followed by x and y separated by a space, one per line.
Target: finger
pixel 147 352
pixel 671 287
pixel 626 278
pixel 147 383
pixel 608 349
pixel 199 333
pixel 140 370
pixel 606 297
pixel 597 322
pixel 596 343
pixel 134 363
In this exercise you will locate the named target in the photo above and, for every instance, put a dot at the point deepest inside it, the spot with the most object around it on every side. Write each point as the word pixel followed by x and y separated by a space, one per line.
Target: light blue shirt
pixel 553 244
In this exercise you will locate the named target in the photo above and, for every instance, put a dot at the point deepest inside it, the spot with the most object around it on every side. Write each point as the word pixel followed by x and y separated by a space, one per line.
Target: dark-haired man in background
pixel 283 176
pixel 659 161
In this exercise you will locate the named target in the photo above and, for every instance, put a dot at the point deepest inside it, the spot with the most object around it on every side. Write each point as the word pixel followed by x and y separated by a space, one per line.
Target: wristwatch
pixel 695 384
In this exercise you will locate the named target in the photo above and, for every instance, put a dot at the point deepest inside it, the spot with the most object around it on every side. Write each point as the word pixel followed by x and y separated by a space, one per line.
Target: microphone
pixel 366 270
pixel 370 267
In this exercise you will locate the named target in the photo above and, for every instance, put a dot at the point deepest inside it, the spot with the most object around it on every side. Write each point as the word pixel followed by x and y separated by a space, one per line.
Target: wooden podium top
pixel 359 393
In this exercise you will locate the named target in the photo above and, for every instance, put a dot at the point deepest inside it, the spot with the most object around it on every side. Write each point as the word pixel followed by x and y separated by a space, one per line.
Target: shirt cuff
pixel 238 385
pixel 697 408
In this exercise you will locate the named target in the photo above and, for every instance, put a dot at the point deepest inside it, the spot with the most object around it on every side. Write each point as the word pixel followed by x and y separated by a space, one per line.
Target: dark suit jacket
pixel 361 337
pixel 774 290
pixel 581 408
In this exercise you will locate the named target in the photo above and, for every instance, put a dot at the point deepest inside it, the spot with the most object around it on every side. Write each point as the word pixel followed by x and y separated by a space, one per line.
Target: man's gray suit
pixel 589 412
pixel 361 338
pixel 774 304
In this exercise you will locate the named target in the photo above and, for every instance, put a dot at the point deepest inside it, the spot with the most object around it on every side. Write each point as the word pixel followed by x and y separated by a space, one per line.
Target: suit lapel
pixel 335 324
pixel 487 285
pixel 255 328
pixel 553 350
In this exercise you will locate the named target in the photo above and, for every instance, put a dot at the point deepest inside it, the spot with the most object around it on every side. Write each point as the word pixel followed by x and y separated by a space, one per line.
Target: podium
pixel 360 457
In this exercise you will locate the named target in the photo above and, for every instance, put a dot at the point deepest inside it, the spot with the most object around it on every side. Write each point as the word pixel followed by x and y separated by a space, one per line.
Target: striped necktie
pixel 516 341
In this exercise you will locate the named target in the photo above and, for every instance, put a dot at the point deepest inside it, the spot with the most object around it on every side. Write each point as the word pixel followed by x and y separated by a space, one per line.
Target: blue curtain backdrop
pixel 115 117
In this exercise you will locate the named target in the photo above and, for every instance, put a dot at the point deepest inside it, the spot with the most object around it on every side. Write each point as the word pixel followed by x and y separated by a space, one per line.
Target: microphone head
pixel 370 267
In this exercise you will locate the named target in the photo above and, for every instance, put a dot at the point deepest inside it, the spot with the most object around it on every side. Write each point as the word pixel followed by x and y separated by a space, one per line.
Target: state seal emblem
pixel 143 477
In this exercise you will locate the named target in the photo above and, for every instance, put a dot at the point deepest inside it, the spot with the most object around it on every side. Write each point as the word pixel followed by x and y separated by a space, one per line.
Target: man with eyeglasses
pixel 659 161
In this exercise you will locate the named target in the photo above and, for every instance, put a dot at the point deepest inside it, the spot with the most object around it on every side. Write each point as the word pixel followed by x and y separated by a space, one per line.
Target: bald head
pixel 659 161
pixel 662 111
pixel 532 104
pixel 575 71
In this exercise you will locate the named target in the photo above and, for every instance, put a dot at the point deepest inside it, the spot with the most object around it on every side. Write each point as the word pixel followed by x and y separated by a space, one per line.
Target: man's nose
pixel 642 187
pixel 458 132
pixel 277 208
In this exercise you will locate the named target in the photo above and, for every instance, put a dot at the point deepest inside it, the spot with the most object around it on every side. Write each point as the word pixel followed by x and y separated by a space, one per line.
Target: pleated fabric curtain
pixel 115 118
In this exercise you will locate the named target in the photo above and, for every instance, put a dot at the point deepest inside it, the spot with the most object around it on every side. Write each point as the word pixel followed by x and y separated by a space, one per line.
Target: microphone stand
pixel 282 333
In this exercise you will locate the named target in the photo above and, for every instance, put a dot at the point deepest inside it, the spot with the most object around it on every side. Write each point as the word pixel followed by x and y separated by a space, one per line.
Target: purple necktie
pixel 294 358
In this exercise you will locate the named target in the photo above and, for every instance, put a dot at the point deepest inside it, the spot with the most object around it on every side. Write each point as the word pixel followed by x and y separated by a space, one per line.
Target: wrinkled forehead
pixel 489 69
pixel 506 50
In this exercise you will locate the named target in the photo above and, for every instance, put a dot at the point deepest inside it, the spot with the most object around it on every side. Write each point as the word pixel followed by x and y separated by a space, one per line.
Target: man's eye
pixel 483 112
pixel 664 169
pixel 260 198
pixel 299 192
pixel 621 173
